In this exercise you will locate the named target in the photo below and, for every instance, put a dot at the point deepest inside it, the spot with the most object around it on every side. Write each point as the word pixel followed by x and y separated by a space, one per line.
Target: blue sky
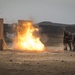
pixel 59 11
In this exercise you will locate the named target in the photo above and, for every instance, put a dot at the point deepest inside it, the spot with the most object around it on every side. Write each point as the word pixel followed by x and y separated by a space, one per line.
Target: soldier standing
pixel 67 40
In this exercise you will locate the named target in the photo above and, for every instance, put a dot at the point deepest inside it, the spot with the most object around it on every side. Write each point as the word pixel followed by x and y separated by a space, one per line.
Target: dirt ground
pixel 49 62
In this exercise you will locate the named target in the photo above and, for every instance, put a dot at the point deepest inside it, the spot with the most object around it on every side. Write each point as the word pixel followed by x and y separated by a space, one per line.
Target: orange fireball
pixel 28 38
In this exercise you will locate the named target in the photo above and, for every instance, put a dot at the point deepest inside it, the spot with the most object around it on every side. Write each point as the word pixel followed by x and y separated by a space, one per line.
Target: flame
pixel 28 39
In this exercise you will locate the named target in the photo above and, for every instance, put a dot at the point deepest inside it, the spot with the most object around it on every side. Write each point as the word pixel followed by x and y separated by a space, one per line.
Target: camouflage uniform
pixel 67 40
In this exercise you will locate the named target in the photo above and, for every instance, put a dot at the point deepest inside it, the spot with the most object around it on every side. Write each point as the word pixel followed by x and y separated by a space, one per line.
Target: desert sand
pixel 50 62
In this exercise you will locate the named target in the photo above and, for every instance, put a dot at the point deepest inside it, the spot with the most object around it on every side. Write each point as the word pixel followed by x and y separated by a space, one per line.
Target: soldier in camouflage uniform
pixel 67 40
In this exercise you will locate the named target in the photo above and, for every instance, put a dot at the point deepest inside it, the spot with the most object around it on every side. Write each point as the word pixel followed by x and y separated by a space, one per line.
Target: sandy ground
pixel 37 63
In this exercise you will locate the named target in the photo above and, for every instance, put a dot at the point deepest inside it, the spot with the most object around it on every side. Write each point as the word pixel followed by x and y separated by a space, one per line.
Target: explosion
pixel 28 38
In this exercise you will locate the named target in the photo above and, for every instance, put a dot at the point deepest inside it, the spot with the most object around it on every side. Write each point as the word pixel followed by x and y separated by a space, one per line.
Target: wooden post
pixel 21 26
pixel 1 34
